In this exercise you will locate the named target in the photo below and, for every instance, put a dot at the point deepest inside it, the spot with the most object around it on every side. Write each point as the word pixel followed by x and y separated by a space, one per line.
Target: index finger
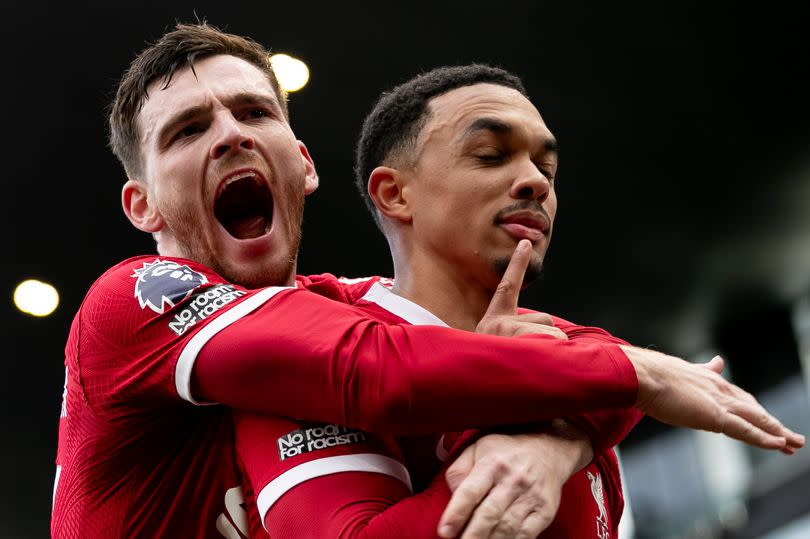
pixel 505 299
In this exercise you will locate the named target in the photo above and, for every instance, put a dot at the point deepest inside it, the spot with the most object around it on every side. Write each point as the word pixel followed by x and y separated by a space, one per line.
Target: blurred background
pixel 684 189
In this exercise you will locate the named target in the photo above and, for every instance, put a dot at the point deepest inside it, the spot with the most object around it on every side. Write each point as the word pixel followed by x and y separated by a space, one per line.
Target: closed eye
pixel 490 158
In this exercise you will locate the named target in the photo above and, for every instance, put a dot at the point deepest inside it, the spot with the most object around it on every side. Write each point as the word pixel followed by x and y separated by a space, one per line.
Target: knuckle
pixel 506 528
pixel 533 525
pixel 468 490
pixel 504 287
pixel 524 482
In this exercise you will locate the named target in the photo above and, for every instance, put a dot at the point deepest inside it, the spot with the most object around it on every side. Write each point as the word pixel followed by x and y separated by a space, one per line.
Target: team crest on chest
pixel 163 282
pixel 598 491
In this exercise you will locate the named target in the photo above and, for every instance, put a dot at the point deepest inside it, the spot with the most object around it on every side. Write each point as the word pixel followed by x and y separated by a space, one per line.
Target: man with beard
pixel 457 167
pixel 218 178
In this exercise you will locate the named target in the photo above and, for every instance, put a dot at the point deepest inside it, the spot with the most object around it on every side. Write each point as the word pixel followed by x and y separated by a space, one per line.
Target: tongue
pixel 247 227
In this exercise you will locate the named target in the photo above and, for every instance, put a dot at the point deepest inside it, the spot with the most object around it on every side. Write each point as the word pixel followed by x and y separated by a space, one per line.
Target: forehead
pixel 452 112
pixel 213 78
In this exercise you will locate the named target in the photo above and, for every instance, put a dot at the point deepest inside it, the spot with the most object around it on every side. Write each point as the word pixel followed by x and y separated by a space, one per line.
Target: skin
pixel 486 148
pixel 205 127
pixel 198 132
pixel 225 120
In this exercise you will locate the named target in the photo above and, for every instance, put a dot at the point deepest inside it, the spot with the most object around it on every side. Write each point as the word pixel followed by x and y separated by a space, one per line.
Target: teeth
pixel 246 174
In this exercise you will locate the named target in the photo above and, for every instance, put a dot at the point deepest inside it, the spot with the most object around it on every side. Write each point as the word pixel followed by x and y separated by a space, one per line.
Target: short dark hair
pixel 176 49
pixel 393 125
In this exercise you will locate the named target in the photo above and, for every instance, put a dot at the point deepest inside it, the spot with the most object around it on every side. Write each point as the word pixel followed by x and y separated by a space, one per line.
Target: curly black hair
pixel 393 125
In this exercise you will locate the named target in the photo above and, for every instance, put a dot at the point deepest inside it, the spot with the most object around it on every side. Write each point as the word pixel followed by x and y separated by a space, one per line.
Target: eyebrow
pixel 499 127
pixel 487 124
pixel 241 98
pixel 180 118
pixel 246 98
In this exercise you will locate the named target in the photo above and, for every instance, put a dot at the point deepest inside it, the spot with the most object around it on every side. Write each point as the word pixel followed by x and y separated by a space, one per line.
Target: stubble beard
pixel 184 225
pixel 533 272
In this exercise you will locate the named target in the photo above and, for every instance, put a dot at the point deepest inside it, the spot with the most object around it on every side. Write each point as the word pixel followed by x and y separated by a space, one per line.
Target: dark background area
pixel 684 181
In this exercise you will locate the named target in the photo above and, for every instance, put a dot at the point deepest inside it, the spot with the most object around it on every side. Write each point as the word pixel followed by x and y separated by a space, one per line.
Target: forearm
pixel 406 379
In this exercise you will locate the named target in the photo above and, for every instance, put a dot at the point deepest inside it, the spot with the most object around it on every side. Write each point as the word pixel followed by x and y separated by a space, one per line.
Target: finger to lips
pixel 505 299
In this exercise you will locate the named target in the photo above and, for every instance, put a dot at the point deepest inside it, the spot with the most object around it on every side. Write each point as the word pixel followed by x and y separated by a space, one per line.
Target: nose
pixel 530 184
pixel 230 135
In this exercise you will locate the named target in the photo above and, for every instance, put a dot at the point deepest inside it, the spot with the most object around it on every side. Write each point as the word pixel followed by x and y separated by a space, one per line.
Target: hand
pixel 508 486
pixel 502 317
pixel 684 394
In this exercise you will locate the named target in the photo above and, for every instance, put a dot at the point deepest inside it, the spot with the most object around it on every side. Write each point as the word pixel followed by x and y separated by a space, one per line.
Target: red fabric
pixel 377 377
pixel 138 461
pixel 356 504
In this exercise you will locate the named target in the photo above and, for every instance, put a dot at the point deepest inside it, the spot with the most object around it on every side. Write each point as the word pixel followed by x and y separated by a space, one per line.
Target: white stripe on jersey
pixel 182 378
pixel 361 462
pixel 55 486
pixel 404 308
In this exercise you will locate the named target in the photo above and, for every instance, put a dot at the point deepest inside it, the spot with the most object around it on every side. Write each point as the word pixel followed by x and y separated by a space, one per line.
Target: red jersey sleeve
pixel 293 353
pixel 608 427
pixel 279 455
pixel 133 323
pixel 358 506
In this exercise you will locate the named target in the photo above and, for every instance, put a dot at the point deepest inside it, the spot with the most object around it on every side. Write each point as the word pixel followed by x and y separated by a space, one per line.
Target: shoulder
pixel 132 295
pixel 345 289
pixel 154 282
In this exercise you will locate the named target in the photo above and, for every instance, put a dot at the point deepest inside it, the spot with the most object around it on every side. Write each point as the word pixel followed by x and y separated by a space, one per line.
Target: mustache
pixel 531 205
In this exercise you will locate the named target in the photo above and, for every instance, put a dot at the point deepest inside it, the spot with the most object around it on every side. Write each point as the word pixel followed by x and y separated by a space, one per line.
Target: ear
pixel 143 215
pixel 386 187
pixel 311 181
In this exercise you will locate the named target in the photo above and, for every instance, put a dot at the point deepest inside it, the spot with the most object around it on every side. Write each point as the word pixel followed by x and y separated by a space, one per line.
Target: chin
pixel 533 272
pixel 261 275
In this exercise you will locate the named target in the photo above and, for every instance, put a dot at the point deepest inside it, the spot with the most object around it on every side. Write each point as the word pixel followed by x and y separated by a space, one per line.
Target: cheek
pixel 551 206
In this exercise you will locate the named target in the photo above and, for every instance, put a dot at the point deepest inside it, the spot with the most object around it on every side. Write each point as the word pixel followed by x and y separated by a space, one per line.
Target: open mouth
pixel 244 206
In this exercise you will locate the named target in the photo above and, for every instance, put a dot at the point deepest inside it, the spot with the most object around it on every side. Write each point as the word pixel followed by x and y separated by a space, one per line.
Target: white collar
pixel 402 307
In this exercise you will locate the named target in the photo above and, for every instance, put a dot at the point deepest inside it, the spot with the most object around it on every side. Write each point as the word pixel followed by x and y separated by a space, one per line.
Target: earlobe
pixel 311 180
pixel 143 215
pixel 386 187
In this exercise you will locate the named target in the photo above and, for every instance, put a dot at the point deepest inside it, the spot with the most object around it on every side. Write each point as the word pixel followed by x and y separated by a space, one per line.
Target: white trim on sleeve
pixel 361 462
pixel 182 371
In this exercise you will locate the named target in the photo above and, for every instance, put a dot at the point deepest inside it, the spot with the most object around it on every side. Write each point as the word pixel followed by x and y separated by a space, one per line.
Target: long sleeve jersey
pixel 290 467
pixel 144 451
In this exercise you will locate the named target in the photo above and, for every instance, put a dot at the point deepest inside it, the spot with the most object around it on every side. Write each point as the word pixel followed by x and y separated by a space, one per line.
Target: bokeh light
pixel 292 73
pixel 36 298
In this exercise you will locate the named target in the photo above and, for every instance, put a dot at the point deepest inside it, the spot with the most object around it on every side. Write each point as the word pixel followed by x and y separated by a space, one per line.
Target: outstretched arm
pixel 312 358
pixel 309 357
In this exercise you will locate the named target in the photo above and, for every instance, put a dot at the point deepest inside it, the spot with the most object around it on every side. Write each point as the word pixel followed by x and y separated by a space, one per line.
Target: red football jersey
pixel 136 457
pixel 291 484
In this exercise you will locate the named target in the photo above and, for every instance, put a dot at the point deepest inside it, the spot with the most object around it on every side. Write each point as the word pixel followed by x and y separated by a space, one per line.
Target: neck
pixel 443 289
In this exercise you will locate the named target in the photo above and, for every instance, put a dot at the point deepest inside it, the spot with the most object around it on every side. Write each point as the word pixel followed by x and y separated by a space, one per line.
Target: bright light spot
pixel 36 298
pixel 292 73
